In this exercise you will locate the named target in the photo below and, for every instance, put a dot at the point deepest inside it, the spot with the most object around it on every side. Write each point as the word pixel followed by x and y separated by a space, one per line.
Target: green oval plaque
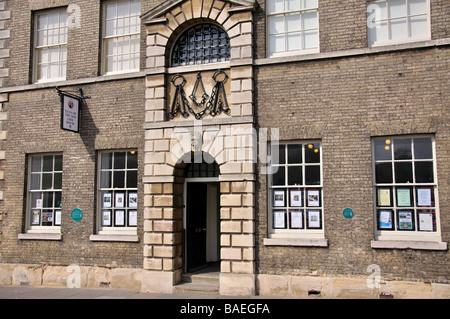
pixel 77 214
pixel 348 213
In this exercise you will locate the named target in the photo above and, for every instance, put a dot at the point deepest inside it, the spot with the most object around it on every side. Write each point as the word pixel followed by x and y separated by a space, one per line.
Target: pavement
pixel 29 292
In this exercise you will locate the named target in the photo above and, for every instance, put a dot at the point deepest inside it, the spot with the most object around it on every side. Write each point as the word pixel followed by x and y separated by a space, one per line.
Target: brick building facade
pixel 312 157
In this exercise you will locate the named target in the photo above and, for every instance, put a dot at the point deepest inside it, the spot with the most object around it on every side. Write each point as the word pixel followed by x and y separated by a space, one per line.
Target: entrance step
pixel 201 282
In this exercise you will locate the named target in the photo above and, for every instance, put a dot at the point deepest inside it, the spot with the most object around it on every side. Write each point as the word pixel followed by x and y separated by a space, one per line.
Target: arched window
pixel 201 44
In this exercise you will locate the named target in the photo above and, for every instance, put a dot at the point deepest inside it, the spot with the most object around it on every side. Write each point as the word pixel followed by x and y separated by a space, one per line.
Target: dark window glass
pixel 312 153
pixel 312 175
pixel 119 160
pixel 403 172
pixel 424 172
pixel 279 177
pixel 402 149
pixel 382 150
pixel 295 175
pixel 383 173
pixel 294 154
pixel 423 148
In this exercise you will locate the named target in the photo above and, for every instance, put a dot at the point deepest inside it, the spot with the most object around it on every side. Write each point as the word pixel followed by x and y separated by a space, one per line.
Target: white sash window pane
pixel 310 20
pixel 398 29
pixel 418 26
pixel 135 8
pixel 397 9
pixel 309 4
pixel 41 38
pixel 378 33
pixel 110 28
pixel 294 41
pixel 293 5
pixel 417 7
pixel 293 22
pixel 311 39
pixel 123 9
pixel 277 43
pixel 274 6
pixel 276 24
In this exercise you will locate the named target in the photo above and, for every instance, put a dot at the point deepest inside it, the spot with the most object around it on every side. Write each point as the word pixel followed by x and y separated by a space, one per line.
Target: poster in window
pixel 426 221
pixel 57 218
pixel 47 218
pixel 119 218
pixel 296 198
pixel 384 197
pixel 313 219
pixel 296 221
pixel 36 217
pixel 120 200
pixel 106 218
pixel 132 200
pixel 403 197
pixel 405 220
pixel 279 219
pixel 424 197
pixel 385 220
pixel 107 199
pixel 38 203
pixel 278 198
pixel 313 198
pixel 132 218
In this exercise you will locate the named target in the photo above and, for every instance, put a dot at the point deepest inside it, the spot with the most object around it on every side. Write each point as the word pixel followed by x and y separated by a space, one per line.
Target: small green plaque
pixel 77 214
pixel 348 213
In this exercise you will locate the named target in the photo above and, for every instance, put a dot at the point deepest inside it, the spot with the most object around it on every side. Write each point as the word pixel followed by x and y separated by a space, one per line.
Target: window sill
pixel 298 242
pixel 40 236
pixel 117 238
pixel 408 244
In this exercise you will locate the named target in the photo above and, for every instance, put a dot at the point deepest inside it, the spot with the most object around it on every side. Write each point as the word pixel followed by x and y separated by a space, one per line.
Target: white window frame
pixel 405 235
pixel 303 233
pixel 61 45
pixel 116 230
pixel 34 206
pixel 284 13
pixel 372 23
pixel 105 39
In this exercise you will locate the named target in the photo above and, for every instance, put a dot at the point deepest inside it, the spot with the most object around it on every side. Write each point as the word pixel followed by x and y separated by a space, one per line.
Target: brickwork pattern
pixel 111 120
pixel 344 103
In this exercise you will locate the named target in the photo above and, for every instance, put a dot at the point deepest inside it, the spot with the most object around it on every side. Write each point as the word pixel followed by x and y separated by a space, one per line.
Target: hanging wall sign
pixel 70 113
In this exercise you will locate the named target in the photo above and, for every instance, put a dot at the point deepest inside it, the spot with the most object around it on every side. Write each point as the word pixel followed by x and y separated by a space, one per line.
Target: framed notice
pixel 132 200
pixel 57 218
pixel 426 220
pixel 405 220
pixel 403 197
pixel 424 197
pixel 36 217
pixel 120 197
pixel 106 218
pixel 132 218
pixel 313 198
pixel 279 219
pixel 279 198
pixel 384 196
pixel 385 220
pixel 296 219
pixel 119 218
pixel 70 113
pixel 313 219
pixel 296 198
pixel 107 199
